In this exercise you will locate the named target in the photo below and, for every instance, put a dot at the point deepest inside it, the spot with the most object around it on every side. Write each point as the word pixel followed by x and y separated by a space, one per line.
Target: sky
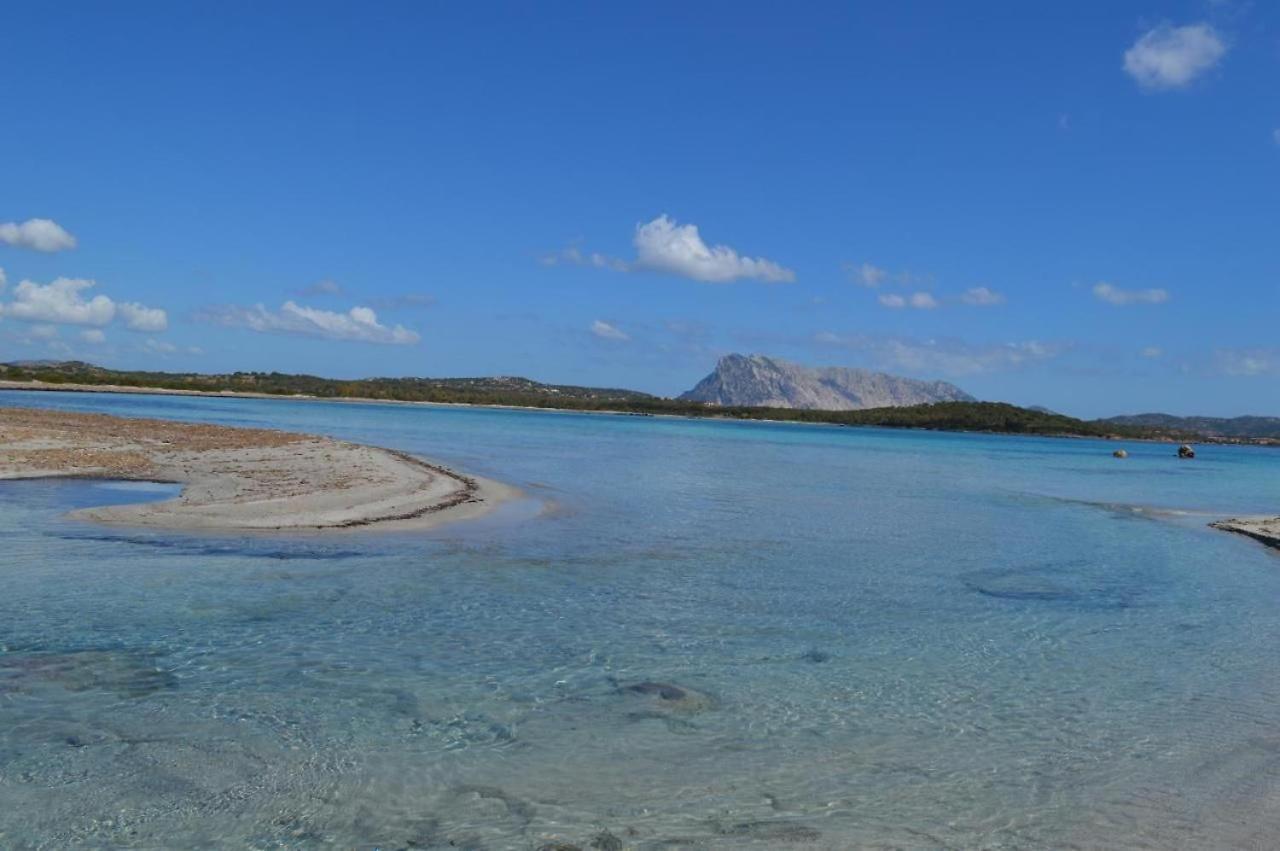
pixel 1071 204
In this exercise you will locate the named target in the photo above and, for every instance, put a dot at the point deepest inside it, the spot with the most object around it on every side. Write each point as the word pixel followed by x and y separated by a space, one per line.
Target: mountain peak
pixel 767 382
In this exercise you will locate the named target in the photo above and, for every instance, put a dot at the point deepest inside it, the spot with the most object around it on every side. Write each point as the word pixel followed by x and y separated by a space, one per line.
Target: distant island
pixel 964 414
pixel 756 381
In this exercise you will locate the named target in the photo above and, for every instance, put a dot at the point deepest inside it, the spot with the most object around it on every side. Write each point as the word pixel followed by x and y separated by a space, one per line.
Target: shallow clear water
pixel 880 638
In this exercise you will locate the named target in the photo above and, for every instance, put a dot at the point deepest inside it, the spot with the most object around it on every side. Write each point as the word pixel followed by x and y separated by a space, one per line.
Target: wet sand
pixel 240 478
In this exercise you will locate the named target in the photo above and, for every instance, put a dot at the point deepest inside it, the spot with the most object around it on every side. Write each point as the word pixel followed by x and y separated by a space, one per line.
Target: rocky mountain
pixel 758 381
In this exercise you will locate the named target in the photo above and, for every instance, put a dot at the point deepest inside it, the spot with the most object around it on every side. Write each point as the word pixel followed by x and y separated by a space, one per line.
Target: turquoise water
pixel 691 634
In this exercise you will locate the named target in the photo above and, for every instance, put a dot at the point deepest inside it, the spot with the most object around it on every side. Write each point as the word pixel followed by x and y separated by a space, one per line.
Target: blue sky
pixel 1073 206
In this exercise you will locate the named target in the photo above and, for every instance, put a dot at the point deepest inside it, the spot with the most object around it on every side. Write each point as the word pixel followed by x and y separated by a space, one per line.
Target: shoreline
pixel 135 390
pixel 241 479
pixel 1265 529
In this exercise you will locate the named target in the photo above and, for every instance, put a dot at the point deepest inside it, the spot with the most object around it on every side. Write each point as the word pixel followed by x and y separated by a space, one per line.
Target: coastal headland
pixel 240 478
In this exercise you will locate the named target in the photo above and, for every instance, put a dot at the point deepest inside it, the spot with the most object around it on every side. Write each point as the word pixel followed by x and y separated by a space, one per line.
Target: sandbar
pixel 1265 529
pixel 244 479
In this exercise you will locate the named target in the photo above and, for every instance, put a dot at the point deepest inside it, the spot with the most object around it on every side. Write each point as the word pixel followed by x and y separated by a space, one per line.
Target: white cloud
pixel 64 302
pixel 1114 295
pixel 664 246
pixel 870 276
pixel 44 332
pixel 138 317
pixel 982 297
pixel 919 301
pixel 60 302
pixel 1152 352
pixel 573 256
pixel 945 357
pixel 1275 135
pixel 3 280
pixel 37 234
pixel 605 331
pixel 1170 57
pixel 1247 362
pixel 160 347
pixel 93 335
pixel 359 324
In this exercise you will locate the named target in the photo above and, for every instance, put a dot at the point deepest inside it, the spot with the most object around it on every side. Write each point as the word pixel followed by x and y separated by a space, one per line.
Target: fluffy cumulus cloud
pixel 662 245
pixel 918 301
pixel 359 324
pixel 3 280
pixel 37 234
pixel 93 336
pixel 138 317
pixel 982 297
pixel 1170 57
pixel 953 358
pixel 66 301
pixel 606 331
pixel 1117 296
pixel 62 302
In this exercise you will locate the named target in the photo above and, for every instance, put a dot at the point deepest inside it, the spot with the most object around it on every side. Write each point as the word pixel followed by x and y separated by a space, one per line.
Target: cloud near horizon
pixel 1169 57
pixel 43 235
pixel 1121 297
pixel 359 324
pixel 951 358
pixel 63 302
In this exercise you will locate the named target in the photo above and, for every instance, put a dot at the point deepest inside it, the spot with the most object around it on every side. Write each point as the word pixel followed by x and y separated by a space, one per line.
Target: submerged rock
pixel 771 831
pixel 128 673
pixel 669 696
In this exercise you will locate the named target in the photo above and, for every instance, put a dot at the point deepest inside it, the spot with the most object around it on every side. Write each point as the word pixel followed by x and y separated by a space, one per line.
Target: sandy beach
pixel 1265 529
pixel 239 478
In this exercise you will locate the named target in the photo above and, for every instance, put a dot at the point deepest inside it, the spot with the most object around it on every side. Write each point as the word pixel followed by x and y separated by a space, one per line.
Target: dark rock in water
pixel 669 696
pixel 1185 451
pixel 817 657
pixel 606 841
pixel 1050 584
pixel 772 831
pixel 1120 453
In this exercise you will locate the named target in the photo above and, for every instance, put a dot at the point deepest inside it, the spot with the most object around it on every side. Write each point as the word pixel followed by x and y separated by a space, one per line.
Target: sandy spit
pixel 1264 529
pixel 239 478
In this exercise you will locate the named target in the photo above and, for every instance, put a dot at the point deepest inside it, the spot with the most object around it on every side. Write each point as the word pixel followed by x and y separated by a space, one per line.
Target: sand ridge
pixel 240 478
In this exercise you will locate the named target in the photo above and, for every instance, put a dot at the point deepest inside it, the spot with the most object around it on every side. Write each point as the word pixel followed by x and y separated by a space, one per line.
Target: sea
pixel 685 634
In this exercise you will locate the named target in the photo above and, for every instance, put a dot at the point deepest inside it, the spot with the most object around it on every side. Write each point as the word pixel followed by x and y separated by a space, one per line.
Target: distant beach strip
pixel 240 478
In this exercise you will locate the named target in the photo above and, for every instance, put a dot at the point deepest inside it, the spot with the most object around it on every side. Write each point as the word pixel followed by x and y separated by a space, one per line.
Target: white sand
pixel 1264 529
pixel 245 479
